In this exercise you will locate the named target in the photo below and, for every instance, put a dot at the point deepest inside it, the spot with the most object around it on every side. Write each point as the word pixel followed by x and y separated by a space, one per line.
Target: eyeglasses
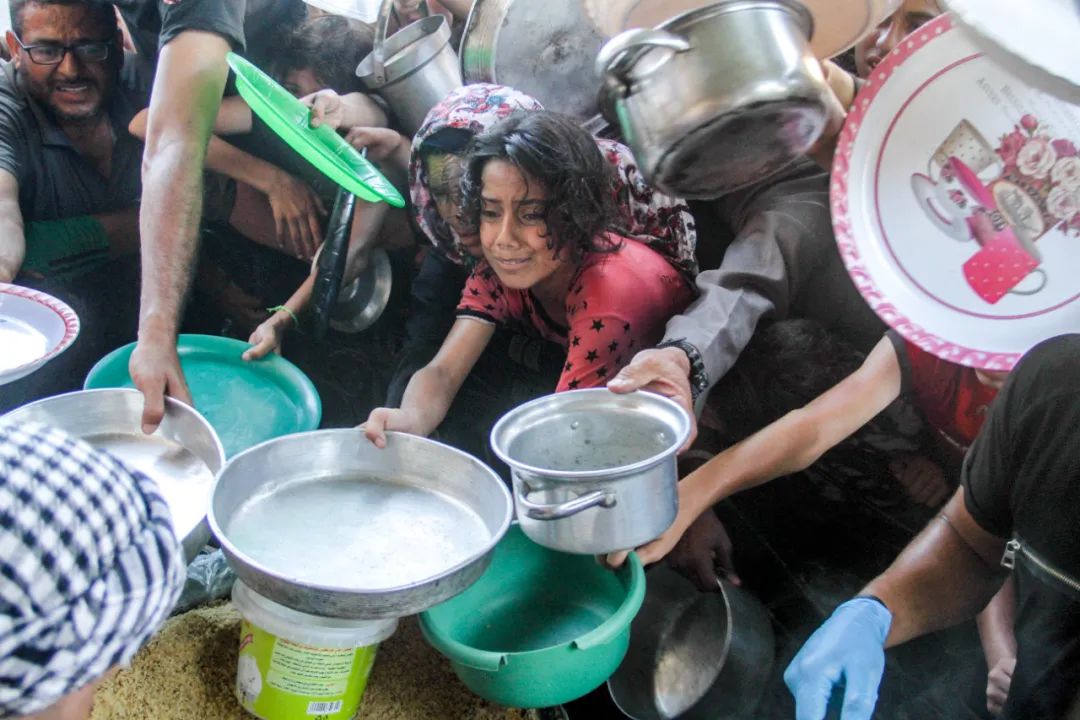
pixel 93 52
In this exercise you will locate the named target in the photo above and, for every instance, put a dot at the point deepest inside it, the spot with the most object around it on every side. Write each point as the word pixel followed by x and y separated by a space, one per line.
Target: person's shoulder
pixel 10 96
pixel 629 265
pixel 14 111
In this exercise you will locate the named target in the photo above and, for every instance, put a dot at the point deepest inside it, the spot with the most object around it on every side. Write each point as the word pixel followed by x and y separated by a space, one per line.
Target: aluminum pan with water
pixel 326 523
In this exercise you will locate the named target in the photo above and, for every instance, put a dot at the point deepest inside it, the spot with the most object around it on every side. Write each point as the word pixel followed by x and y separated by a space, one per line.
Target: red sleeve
pixel 618 305
pixel 483 296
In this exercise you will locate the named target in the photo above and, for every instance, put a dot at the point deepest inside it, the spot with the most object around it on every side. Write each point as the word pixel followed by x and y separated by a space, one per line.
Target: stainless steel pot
pixel 593 471
pixel 545 49
pixel 182 456
pixel 413 69
pixel 717 98
pixel 326 523
pixel 694 655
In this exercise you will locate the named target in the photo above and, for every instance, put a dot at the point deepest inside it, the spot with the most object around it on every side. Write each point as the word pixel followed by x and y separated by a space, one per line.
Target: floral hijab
pixel 642 213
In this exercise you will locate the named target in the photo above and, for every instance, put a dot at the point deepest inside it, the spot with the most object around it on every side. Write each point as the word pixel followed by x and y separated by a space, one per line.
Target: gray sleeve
pixel 751 283
pixel 13 144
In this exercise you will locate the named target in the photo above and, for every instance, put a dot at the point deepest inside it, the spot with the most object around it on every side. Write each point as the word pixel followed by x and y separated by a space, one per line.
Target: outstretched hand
pixel 155 370
pixel 382 419
pixel 326 109
pixel 664 371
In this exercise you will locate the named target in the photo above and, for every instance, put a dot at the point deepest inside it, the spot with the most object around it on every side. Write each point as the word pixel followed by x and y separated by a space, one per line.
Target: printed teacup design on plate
pixel 1004 198
pixel 942 197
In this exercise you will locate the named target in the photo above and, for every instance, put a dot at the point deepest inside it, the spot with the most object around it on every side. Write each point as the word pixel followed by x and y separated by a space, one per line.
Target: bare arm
pixel 797 440
pixel 233 118
pixel 945 575
pixel 432 389
pixel 190 79
pixel 996 624
pixel 12 237
pixel 792 443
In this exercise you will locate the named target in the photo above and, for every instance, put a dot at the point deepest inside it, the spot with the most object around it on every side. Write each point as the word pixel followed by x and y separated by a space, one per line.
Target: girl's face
pixel 444 183
pixel 912 15
pixel 513 233
pixel 302 82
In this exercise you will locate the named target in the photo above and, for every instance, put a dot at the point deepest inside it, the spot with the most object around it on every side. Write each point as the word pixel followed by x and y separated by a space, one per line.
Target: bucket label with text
pixel 282 680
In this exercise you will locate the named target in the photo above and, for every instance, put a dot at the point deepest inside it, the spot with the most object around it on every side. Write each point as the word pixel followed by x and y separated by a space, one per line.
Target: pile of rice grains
pixel 188 671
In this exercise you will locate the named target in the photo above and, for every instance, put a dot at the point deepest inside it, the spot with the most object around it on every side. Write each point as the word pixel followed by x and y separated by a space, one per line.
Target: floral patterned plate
pixel 34 328
pixel 956 201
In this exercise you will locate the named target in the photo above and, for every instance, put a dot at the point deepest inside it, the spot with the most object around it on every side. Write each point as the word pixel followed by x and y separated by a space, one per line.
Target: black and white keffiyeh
pixel 89 565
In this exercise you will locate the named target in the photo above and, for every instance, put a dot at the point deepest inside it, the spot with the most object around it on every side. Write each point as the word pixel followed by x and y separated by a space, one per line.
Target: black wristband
pixel 699 379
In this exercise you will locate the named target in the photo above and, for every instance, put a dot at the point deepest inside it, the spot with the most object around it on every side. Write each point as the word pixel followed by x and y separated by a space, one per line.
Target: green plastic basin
pixel 540 627
pixel 245 402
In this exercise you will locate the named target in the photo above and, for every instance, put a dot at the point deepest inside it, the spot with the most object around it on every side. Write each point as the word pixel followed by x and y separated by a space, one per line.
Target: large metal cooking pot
pixel 544 49
pixel 593 471
pixel 694 655
pixel 413 69
pixel 717 98
pixel 326 523
pixel 182 456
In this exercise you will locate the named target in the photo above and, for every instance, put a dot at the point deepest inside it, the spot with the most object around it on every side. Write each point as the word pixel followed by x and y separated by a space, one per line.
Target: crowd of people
pixel 133 179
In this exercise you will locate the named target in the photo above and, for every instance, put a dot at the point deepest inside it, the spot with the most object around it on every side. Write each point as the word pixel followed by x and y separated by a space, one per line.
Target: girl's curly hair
pixel 552 150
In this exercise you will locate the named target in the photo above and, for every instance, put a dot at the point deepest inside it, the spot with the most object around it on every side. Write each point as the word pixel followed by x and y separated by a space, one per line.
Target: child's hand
pixel 267 337
pixel 382 419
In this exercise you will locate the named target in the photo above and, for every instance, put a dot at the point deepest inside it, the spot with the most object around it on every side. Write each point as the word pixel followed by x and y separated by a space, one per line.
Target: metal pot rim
pixel 691 17
pixel 682 432
pixel 254 566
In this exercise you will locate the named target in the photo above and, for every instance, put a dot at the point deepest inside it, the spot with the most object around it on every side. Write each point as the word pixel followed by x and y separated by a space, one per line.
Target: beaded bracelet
pixel 296 321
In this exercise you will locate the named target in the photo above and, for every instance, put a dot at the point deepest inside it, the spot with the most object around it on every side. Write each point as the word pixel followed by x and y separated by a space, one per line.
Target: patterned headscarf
pixel 89 565
pixel 642 213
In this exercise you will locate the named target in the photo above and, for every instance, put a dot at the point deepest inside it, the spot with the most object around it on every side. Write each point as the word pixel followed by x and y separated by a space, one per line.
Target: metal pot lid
pixel 361 303
pixel 544 49
pixel 689 649
pixel 754 143
pixel 838 24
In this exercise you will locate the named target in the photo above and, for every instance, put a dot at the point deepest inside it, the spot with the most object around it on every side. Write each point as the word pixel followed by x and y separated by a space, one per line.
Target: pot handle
pixel 536 511
pixel 621 52
pixel 382 24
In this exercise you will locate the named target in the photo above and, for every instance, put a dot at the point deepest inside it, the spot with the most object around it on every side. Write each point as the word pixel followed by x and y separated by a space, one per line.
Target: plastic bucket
pixel 295 666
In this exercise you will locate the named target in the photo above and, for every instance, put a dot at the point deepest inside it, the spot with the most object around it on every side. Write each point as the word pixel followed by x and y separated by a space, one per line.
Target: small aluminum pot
pixel 717 98
pixel 593 471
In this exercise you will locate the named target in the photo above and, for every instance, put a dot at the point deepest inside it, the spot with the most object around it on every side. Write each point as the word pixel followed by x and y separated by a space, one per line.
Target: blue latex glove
pixel 848 648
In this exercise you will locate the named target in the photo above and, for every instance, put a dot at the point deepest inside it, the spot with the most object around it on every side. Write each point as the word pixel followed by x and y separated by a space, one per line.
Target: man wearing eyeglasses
pixel 69 177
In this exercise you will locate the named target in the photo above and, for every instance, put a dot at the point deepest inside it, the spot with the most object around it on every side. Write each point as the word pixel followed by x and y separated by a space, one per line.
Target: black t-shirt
pixel 153 23
pixel 55 180
pixel 1022 481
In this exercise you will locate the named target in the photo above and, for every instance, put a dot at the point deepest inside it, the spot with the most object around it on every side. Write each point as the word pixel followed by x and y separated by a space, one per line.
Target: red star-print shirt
pixel 618 304
pixel 951 396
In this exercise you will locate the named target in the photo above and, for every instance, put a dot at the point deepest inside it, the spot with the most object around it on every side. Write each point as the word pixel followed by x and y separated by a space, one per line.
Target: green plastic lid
pixel 245 402
pixel 321 146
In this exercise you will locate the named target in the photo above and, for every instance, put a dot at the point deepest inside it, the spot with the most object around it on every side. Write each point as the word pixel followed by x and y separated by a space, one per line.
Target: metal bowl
pixel 326 523
pixel 694 655
pixel 182 456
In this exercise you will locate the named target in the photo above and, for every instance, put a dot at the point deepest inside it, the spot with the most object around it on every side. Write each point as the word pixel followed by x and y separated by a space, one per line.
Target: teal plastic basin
pixel 245 402
pixel 539 627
